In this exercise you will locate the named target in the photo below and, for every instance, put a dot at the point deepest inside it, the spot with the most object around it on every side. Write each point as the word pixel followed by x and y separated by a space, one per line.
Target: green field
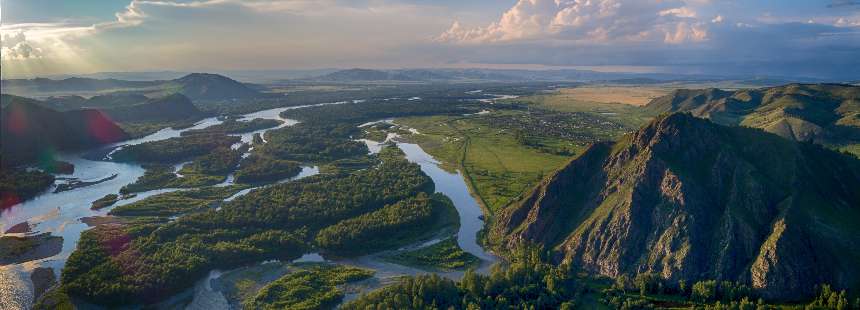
pixel 497 168
pixel 627 114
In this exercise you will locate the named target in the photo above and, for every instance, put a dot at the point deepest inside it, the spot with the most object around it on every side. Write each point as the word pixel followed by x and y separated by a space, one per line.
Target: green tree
pixel 704 291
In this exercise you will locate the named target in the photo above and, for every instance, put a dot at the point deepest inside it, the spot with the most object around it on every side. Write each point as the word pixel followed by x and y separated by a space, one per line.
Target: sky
pixel 765 38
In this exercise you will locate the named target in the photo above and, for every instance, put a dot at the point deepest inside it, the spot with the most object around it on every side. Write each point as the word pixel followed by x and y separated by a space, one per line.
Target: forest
pixel 174 150
pixel 392 225
pixel 146 262
pixel 312 142
pixel 258 168
pixel 17 185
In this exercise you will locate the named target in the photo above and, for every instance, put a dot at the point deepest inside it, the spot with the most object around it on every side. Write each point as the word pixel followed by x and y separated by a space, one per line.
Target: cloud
pixel 846 22
pixel 587 21
pixel 15 46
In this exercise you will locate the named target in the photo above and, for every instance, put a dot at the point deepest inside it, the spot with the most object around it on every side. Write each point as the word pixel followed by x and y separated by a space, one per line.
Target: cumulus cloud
pixel 15 46
pixel 587 21
pixel 847 22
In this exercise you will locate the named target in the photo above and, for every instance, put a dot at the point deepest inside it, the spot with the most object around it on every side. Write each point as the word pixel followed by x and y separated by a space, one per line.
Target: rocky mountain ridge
pixel 691 200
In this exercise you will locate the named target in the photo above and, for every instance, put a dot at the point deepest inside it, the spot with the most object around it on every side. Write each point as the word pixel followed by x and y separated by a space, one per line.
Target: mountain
pixel 169 108
pixel 30 131
pixel 107 101
pixel 206 86
pixel 688 199
pixel 824 113
pixel 70 85
pixel 197 86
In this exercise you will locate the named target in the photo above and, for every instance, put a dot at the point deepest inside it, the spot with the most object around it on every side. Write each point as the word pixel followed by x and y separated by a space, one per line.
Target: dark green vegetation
pixel 104 202
pixel 821 113
pixel 175 150
pixel 208 169
pixel 262 168
pixel 311 288
pixel 312 142
pixel 691 200
pixel 233 126
pixel 155 177
pixel 16 250
pixel 529 282
pixel 31 132
pixel 17 185
pixel 393 225
pixel 147 262
pixel 56 166
pixel 220 161
pixel 142 129
pixel 178 202
pixel 445 255
pixel 649 291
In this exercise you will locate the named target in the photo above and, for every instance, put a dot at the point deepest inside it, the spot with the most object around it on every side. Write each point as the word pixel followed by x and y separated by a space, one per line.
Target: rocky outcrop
pixel 692 200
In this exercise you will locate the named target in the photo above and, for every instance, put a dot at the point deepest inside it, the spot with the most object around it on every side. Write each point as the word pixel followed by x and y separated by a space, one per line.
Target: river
pixel 60 213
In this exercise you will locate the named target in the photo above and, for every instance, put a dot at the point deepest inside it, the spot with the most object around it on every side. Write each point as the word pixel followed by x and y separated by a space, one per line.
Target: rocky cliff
pixel 691 200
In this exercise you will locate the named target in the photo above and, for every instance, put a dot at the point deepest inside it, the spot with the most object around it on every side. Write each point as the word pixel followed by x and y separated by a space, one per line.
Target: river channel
pixel 60 214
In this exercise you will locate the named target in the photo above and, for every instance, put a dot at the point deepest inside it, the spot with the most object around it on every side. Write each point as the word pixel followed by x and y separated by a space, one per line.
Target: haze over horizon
pixel 765 38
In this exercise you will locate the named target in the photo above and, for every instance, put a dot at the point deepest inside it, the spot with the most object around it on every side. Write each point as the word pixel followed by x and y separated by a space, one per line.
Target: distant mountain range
pixel 824 113
pixel 196 86
pixel 505 75
pixel 31 131
pixel 688 199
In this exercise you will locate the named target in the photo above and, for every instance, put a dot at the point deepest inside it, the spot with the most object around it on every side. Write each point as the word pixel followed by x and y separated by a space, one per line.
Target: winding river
pixel 61 213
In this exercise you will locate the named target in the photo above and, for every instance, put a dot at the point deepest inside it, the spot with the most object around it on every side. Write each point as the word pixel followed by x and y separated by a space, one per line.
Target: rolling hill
pixel 822 113
pixel 687 199
pixel 169 108
pixel 196 86
pixel 31 131
pixel 205 86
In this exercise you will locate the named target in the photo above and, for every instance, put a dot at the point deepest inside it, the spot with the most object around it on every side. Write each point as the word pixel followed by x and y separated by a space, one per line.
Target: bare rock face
pixel 691 200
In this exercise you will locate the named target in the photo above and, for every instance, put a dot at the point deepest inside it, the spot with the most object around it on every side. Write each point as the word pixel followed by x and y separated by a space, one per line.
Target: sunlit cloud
pixel 586 21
